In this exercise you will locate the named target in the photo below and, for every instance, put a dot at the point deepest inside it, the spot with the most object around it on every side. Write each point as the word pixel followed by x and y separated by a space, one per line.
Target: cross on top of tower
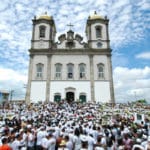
pixel 70 25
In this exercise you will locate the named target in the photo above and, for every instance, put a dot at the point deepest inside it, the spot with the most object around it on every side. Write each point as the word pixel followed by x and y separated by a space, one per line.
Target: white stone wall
pixel 94 44
pixel 80 87
pixel 39 59
pixel 41 44
pixel 38 91
pixel 102 91
pixel 74 59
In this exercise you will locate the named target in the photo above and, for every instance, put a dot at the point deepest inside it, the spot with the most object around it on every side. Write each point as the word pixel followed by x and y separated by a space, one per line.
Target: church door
pixel 82 98
pixel 70 96
pixel 57 98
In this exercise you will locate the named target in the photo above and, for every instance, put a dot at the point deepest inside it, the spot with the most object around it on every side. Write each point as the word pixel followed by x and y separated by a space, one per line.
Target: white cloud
pixel 131 83
pixel 9 74
pixel 13 80
pixel 144 55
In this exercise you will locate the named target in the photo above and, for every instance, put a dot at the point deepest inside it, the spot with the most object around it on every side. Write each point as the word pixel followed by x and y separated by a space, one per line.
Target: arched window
pixel 70 68
pixel 42 32
pixel 98 31
pixel 82 73
pixel 58 70
pixel 100 68
pixel 39 70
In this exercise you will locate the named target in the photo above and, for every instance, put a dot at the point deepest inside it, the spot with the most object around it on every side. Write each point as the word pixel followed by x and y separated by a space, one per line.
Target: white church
pixel 68 68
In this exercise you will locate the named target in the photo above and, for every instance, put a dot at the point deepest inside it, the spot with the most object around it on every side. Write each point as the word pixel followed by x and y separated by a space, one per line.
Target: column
pixel 28 90
pixel 92 78
pixel 48 78
pixel 111 79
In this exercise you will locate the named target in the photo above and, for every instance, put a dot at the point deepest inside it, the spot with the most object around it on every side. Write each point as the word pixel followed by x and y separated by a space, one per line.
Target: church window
pixel 58 70
pixel 42 30
pixel 98 31
pixel 70 71
pixel 82 71
pixel 99 44
pixel 39 70
pixel 100 71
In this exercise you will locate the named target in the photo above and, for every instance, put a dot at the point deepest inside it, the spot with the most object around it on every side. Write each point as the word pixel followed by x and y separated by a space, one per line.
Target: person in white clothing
pixel 91 142
pixel 69 144
pixel 16 144
pixel 137 147
pixel 40 136
pixel 51 142
pixel 77 140
pixel 147 146
pixel 31 140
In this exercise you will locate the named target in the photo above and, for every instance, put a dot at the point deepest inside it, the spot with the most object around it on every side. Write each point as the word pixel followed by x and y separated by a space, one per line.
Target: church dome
pixel 45 16
pixel 95 16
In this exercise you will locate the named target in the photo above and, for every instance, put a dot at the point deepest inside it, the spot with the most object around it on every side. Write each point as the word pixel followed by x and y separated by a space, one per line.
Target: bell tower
pixel 97 32
pixel 43 33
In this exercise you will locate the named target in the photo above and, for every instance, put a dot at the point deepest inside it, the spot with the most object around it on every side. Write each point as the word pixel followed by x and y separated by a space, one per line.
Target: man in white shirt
pixel 69 143
pixel 44 142
pixel 40 136
pixel 91 142
pixel 16 144
pixel 31 140
pixel 51 142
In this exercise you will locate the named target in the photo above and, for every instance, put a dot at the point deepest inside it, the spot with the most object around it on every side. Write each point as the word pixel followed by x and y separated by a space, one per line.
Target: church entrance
pixel 70 97
pixel 82 98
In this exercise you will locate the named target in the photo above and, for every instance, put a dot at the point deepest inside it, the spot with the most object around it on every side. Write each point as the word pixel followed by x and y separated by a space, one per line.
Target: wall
pixel 40 59
pixel 59 87
pixel 38 91
pixel 74 59
pixel 102 91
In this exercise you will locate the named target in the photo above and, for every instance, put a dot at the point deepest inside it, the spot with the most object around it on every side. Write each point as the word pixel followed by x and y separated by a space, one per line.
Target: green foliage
pixel 142 101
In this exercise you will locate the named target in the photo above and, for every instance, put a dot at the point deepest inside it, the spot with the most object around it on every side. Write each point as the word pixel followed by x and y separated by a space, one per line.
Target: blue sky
pixel 129 29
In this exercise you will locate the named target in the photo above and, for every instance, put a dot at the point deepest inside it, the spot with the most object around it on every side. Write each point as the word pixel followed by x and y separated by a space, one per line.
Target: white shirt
pixel 77 143
pixel 91 142
pixel 40 136
pixel 30 140
pixel 51 143
pixel 44 142
pixel 69 145
pixel 138 146
pixel 15 145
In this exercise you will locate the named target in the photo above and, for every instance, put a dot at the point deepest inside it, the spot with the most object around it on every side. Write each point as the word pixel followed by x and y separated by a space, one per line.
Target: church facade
pixel 70 69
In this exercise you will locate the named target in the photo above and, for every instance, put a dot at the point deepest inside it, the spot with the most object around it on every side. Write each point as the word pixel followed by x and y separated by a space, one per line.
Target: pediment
pixel 70 41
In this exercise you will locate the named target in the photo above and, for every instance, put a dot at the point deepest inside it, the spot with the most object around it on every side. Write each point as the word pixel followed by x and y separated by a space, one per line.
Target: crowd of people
pixel 74 126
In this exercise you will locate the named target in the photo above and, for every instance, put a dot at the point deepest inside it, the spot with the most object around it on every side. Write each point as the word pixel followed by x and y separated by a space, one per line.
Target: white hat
pixel 144 136
pixel 83 138
pixel 29 126
pixel 138 140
